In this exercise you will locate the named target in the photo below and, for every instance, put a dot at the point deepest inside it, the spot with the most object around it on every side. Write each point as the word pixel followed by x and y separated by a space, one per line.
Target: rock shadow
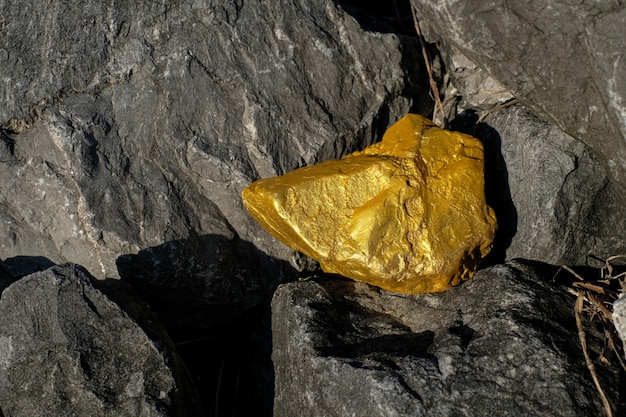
pixel 203 281
pixel 354 331
pixel 213 294
pixel 497 190
pixel 12 269
pixel 377 16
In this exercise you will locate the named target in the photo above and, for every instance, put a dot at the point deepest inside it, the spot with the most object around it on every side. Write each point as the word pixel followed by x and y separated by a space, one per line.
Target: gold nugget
pixel 407 214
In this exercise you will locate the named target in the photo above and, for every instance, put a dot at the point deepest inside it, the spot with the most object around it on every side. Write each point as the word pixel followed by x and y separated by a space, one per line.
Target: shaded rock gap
pixel 226 346
pixel 124 368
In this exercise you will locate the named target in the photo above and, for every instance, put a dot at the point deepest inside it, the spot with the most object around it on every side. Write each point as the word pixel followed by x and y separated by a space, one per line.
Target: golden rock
pixel 407 214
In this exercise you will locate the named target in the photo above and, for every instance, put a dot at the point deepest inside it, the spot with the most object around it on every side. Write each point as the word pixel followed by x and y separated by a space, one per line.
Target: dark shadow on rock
pixel 541 269
pixel 20 266
pixel 381 16
pixel 404 344
pixel 353 330
pixel 203 281
pixel 12 269
pixel 213 294
pixel 497 190
pixel 231 365
pixel 464 332
pixel 187 395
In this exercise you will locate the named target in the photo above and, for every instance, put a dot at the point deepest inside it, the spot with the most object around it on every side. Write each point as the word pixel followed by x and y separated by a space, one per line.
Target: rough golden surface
pixel 407 214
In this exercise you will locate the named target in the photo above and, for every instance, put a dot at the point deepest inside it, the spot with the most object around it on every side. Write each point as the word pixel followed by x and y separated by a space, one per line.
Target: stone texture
pixel 561 59
pixel 407 214
pixel 619 317
pixel 569 208
pixel 553 198
pixel 473 87
pixel 131 129
pixel 66 349
pixel 503 343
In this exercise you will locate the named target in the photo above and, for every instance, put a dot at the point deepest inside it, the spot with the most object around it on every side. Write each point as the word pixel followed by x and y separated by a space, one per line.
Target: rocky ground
pixel 134 283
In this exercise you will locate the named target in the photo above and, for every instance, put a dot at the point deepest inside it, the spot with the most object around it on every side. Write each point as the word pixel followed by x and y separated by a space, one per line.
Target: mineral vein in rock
pixel 407 214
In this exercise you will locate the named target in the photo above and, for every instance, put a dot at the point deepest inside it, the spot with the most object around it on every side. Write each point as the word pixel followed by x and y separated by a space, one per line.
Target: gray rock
pixel 68 350
pixel 473 87
pixel 503 343
pixel 561 59
pixel 553 198
pixel 619 317
pixel 131 129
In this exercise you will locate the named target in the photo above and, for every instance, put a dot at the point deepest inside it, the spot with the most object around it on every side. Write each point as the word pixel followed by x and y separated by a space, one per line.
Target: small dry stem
pixel 578 309
pixel 599 296
pixel 434 89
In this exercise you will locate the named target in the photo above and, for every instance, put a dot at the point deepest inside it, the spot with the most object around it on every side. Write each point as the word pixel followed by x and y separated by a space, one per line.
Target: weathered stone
pixel 552 196
pixel 561 59
pixel 141 122
pixel 66 349
pixel 619 317
pixel 553 199
pixel 407 214
pixel 503 343
pixel 478 89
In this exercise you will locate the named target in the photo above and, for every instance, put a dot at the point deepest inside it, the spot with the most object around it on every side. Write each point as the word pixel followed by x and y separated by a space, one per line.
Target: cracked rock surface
pixel 503 343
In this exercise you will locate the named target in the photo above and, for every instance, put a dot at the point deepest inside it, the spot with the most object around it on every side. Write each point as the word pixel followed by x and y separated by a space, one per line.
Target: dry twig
pixel 599 296
pixel 580 299
pixel 434 89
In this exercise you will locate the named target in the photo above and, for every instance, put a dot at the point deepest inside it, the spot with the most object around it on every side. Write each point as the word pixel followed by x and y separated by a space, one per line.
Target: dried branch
pixel 434 89
pixel 583 341
pixel 599 294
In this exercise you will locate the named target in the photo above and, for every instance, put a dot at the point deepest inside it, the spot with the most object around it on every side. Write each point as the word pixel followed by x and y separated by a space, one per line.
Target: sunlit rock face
pixel 407 214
